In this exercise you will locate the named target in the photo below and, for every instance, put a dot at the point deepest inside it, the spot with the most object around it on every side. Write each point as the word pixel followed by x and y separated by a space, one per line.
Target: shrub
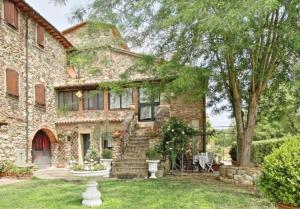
pixel 260 149
pixel 233 152
pixel 92 154
pixel 10 167
pixel 175 135
pixel 106 154
pixel 152 154
pixel 280 177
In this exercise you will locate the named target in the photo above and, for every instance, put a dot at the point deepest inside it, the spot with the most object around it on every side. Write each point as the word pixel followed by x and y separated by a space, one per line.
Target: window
pixel 147 106
pixel 40 36
pixel 120 101
pixel 68 100
pixel 11 14
pixel 93 100
pixel 12 82
pixel 40 94
pixel 86 141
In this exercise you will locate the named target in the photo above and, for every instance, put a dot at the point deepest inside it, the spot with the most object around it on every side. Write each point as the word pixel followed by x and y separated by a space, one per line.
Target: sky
pixel 58 16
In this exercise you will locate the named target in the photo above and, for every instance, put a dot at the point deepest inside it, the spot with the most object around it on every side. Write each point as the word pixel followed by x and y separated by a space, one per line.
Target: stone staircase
pixel 133 162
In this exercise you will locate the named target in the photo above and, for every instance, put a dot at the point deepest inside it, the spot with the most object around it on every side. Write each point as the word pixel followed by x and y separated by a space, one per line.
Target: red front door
pixel 41 150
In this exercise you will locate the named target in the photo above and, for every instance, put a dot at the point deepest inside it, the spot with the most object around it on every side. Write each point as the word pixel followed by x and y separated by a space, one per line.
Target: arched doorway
pixel 41 150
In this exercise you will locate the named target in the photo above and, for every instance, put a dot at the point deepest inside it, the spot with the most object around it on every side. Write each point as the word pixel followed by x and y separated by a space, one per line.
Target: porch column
pixel 135 99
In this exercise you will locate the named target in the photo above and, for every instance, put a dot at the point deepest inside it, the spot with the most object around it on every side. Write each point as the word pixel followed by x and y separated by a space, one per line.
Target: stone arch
pixel 49 131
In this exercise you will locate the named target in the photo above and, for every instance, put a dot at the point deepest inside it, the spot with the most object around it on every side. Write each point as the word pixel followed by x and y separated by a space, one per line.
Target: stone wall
pixel 46 66
pixel 239 175
pixel 192 112
pixel 69 136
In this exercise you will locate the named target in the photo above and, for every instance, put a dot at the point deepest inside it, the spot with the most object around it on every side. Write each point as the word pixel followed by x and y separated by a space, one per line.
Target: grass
pixel 167 193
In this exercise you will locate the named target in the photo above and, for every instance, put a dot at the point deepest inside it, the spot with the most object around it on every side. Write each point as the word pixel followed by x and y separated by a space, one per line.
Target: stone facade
pixel 48 66
pixel 239 175
pixel 45 66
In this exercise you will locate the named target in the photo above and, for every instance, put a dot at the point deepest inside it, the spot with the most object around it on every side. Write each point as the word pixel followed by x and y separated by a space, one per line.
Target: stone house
pixel 51 112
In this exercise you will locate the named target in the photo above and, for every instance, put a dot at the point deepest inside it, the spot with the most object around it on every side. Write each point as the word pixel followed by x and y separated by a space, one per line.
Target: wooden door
pixel 41 150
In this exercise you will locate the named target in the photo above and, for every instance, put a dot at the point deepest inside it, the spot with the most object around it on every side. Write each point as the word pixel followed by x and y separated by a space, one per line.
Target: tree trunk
pixel 244 148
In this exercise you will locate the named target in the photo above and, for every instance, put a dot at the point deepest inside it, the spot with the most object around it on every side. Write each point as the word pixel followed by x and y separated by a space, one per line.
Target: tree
pixel 279 112
pixel 245 44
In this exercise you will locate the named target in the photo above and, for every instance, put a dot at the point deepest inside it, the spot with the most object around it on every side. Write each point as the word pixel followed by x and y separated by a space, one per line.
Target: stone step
pixel 131 160
pixel 135 149
pixel 130 169
pixel 126 175
pixel 149 124
pixel 134 155
pixel 130 164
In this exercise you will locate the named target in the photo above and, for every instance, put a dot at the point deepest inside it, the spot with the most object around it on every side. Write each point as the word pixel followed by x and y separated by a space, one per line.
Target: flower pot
pixel 283 206
pixel 152 167
pixel 116 134
pixel 60 165
pixel 91 196
pixel 107 164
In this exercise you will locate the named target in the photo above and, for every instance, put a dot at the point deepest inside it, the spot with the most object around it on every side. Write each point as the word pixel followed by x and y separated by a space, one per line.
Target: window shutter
pixel 12 82
pixel 40 36
pixel 40 94
pixel 16 16
pixel 11 13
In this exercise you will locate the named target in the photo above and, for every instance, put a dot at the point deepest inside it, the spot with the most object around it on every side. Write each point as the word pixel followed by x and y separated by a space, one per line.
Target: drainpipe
pixel 26 90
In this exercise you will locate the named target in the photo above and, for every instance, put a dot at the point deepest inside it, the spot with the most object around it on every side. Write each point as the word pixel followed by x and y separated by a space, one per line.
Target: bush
pixel 280 177
pixel 233 152
pixel 260 149
pixel 11 168
pixel 153 154
pixel 106 154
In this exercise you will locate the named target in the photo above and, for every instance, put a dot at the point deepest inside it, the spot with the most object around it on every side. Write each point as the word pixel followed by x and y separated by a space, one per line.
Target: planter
pixel 91 196
pixel 116 135
pixel 60 165
pixel 107 164
pixel 216 167
pixel 152 168
pixel 282 206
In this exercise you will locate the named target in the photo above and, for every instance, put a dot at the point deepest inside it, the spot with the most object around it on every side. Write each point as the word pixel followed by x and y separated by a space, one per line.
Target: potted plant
pixel 116 134
pixel 90 170
pixel 153 160
pixel 280 173
pixel 106 159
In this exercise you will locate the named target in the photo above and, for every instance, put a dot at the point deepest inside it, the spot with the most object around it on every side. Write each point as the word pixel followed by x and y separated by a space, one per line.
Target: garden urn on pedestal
pixel 152 167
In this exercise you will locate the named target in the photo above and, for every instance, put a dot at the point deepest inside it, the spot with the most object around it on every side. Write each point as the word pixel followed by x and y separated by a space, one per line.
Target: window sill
pixel 16 97
pixel 11 27
pixel 40 106
pixel 39 47
pixel 119 109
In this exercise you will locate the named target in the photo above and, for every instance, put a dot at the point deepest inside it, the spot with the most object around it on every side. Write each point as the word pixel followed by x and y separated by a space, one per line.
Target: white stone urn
pixel 91 196
pixel 107 164
pixel 152 167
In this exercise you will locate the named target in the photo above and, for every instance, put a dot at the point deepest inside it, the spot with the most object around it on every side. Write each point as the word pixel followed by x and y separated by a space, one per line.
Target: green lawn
pixel 171 193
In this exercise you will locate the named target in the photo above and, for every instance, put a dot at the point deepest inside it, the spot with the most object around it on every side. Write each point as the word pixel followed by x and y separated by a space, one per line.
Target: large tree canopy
pixel 245 45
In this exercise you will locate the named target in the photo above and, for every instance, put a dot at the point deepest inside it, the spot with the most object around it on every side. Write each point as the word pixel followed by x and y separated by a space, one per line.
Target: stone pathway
pixel 54 173
pixel 7 181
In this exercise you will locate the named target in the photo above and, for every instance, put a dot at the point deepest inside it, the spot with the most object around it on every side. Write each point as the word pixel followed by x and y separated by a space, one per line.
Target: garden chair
pixel 210 161
pixel 196 162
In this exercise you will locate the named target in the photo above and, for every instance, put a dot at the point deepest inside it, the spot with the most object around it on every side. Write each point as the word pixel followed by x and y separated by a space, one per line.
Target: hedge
pixel 260 149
